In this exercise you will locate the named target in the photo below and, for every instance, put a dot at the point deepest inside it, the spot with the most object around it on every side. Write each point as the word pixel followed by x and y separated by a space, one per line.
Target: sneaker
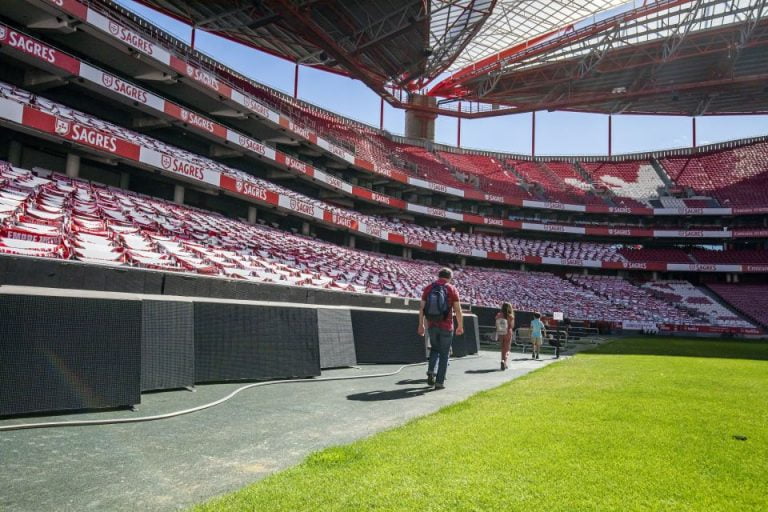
pixel 533 356
pixel 439 385
pixel 430 379
pixel 503 366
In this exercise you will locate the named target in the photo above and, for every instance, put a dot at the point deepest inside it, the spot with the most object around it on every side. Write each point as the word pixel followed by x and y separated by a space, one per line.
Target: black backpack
pixel 436 306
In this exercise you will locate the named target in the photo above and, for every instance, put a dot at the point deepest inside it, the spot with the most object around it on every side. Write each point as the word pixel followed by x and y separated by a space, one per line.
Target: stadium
pixel 170 223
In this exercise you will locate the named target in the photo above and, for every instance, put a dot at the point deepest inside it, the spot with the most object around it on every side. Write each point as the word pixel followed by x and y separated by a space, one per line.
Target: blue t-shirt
pixel 536 327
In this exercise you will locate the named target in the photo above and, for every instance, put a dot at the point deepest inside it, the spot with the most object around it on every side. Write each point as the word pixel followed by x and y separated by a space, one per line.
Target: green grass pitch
pixel 637 424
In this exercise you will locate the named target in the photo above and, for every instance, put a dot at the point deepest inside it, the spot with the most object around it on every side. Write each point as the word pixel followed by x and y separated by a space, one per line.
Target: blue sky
pixel 557 133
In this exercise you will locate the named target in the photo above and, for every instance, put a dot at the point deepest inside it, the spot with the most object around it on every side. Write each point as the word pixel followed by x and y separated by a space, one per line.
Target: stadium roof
pixel 401 42
pixel 515 22
pixel 690 57
pixel 666 57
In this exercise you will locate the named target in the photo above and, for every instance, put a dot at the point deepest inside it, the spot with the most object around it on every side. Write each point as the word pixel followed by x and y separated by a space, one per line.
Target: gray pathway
pixel 172 464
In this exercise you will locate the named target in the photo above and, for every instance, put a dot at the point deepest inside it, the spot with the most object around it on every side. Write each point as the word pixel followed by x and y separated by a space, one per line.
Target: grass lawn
pixel 639 424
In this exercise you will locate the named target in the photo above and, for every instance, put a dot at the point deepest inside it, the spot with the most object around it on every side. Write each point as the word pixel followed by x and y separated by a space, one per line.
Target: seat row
pixel 48 215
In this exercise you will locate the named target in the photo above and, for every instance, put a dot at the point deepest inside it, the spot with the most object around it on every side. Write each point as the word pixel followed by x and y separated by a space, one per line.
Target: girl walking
pixel 505 325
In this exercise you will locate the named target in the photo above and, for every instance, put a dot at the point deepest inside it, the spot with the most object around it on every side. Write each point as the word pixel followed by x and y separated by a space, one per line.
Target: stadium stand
pixel 654 254
pixel 514 247
pixel 748 299
pixel 736 177
pixel 687 296
pixel 639 304
pixel 729 257
pixel 633 183
pixel 64 218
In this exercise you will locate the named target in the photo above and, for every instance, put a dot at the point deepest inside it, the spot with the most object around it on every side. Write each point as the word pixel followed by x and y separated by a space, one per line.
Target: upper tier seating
pixel 730 257
pixel 636 181
pixel 736 177
pixel 490 175
pixel 539 175
pixel 514 247
pixel 660 255
pixel 508 245
pixel 749 299
pixel 687 296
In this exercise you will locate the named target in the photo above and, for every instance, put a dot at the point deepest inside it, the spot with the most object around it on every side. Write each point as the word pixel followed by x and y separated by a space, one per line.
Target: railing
pixel 645 155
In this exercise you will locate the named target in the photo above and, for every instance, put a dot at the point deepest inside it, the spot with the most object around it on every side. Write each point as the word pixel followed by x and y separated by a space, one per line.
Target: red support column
pixel 610 135
pixel 381 114
pixel 458 129
pixel 296 81
pixel 192 42
pixel 533 133
pixel 693 129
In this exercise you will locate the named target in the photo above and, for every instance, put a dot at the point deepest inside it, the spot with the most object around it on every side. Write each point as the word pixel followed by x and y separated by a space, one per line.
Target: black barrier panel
pixel 467 343
pixel 472 334
pixel 63 353
pixel 167 345
pixel 387 337
pixel 523 319
pixel 37 272
pixel 245 342
pixel 485 315
pixel 337 342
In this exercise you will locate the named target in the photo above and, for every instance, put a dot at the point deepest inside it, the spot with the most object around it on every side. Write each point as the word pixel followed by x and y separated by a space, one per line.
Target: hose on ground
pixel 140 419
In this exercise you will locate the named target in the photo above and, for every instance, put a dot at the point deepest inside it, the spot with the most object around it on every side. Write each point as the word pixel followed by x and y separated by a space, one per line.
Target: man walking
pixel 439 302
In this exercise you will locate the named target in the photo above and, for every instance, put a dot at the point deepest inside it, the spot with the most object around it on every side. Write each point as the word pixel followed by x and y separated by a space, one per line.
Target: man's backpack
pixel 436 306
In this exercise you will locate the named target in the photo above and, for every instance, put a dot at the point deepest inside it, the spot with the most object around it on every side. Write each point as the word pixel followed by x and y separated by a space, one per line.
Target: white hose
pixel 83 423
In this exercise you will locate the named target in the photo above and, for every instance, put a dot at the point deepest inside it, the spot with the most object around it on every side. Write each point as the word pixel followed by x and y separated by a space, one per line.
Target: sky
pixel 557 133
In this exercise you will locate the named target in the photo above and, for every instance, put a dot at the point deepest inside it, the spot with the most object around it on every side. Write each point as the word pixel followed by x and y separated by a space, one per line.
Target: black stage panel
pixel 167 345
pixel 61 353
pixel 387 336
pixel 468 343
pixel 337 343
pixel 253 342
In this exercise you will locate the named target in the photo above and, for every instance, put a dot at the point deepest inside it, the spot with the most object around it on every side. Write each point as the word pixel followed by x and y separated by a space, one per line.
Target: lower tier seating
pixel 749 299
pixel 48 215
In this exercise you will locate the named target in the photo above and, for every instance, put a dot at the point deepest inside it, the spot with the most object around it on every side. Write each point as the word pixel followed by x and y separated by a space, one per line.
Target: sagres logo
pixel 63 126
pixel 185 115
pixel 107 80
pixel 114 28
pixel 190 70
pixel 239 185
pixel 166 161
pixel 3 33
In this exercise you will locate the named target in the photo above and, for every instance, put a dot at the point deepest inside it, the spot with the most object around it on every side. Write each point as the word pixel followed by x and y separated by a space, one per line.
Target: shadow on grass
pixel 685 347
pixel 395 394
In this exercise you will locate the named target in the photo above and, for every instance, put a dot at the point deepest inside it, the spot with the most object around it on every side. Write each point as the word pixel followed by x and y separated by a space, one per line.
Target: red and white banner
pixel 79 133
pixel 11 111
pixel 248 190
pixel 255 106
pixel 121 87
pixel 632 325
pixel 179 166
pixel 709 329
pixel 251 145
pixel 127 36
pixel 32 48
